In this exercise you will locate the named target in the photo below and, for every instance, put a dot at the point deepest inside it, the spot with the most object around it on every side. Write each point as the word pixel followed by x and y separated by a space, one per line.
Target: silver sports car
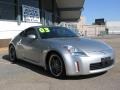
pixel 61 51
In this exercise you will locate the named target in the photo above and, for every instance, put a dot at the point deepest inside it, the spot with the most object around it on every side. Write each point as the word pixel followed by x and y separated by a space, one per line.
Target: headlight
pixel 74 51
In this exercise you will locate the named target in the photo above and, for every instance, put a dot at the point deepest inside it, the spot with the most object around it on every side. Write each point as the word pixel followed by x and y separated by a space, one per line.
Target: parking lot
pixel 25 76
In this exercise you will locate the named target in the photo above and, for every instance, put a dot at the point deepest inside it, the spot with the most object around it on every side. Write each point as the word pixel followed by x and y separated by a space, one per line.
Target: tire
pixel 56 66
pixel 12 54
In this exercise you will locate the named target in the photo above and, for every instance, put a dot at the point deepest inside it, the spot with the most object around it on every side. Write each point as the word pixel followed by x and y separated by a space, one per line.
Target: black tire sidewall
pixel 63 74
pixel 15 58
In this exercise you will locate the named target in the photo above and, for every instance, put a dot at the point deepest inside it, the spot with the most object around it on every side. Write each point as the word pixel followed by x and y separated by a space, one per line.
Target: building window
pixel 30 14
pixel 12 10
pixel 31 6
pixel 48 18
pixel 32 3
pixel 7 9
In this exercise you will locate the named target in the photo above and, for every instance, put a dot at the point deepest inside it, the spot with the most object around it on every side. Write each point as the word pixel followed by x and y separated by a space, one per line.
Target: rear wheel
pixel 12 54
pixel 56 66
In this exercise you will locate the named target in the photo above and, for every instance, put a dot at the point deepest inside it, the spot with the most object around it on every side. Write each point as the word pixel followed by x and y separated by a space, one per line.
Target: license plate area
pixel 105 61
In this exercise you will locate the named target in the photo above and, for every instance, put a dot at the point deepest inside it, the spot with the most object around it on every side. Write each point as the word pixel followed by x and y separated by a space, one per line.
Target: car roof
pixel 43 26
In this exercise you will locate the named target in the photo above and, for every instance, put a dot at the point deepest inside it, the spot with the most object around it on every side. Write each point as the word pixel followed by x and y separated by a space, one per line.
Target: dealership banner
pixel 30 14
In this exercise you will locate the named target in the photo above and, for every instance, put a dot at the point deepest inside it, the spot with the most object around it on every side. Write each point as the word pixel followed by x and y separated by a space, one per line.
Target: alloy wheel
pixel 56 66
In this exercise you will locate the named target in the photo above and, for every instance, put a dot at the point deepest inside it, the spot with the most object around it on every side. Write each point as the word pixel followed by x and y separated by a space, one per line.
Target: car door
pixel 19 46
pixel 32 51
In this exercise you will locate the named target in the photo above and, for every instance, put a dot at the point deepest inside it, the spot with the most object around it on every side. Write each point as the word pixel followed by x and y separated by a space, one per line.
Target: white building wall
pixel 85 30
pixel 92 30
pixel 9 29
pixel 113 23
pixel 114 27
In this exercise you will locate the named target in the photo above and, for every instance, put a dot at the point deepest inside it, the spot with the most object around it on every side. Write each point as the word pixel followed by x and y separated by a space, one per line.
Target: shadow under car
pixel 41 70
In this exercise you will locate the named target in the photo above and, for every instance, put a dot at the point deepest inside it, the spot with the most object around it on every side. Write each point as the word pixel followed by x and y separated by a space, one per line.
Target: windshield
pixel 56 32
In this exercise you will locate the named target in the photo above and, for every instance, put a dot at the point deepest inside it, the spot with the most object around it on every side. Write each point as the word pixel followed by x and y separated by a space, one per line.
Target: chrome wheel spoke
pixel 56 66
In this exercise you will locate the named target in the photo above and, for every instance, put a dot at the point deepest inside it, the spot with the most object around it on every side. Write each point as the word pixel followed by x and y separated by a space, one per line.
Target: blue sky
pixel 107 9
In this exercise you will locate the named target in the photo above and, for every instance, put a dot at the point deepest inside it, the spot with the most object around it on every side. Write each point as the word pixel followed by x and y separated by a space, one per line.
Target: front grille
pixel 103 64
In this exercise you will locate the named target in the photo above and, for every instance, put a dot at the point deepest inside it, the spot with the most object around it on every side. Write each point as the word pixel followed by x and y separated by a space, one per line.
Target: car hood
pixel 85 44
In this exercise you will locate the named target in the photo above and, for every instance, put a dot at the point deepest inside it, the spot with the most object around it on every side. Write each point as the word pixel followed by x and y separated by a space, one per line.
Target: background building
pixel 98 28
pixel 16 15
pixel 113 27
pixel 86 30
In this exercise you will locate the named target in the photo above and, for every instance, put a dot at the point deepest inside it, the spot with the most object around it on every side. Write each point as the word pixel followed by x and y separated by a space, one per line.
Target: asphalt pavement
pixel 25 76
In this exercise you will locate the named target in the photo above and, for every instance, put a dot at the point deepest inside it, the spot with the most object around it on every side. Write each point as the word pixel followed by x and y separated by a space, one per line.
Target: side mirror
pixel 32 36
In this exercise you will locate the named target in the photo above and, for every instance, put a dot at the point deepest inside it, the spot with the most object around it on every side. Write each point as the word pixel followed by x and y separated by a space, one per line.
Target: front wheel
pixel 12 54
pixel 56 65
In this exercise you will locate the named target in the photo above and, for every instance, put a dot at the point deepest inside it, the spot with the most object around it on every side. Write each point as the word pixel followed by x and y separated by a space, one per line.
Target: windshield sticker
pixel 44 30
pixel 47 29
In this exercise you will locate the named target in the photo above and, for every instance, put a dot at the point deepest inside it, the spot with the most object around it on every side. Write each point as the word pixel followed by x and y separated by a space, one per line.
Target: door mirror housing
pixel 32 36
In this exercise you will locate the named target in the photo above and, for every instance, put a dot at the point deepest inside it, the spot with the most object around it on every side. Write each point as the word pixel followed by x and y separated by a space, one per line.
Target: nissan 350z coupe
pixel 61 51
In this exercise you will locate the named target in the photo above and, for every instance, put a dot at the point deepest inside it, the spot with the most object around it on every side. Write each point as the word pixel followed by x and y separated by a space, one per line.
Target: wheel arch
pixel 11 44
pixel 48 56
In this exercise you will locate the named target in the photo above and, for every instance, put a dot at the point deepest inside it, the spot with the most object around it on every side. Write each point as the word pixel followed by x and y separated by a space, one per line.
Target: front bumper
pixel 76 65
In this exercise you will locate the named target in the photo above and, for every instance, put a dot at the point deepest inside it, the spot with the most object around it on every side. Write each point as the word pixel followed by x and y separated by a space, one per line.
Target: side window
pixel 22 34
pixel 30 31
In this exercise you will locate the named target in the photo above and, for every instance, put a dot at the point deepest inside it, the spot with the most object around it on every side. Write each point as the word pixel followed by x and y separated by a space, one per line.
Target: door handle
pixel 19 43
